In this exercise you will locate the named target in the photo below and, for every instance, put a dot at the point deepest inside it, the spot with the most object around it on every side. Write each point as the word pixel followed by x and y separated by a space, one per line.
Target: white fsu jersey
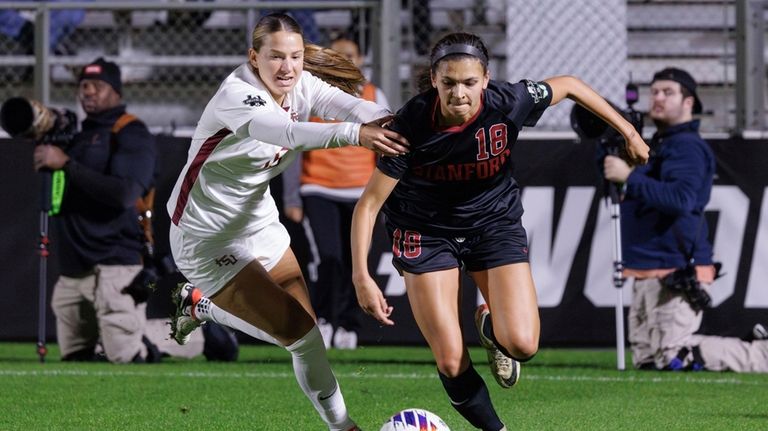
pixel 244 139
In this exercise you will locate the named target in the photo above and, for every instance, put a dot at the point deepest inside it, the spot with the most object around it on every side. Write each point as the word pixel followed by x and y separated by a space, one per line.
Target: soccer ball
pixel 415 420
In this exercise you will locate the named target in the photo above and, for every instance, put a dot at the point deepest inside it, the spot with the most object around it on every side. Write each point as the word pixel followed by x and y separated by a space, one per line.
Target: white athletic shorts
pixel 210 264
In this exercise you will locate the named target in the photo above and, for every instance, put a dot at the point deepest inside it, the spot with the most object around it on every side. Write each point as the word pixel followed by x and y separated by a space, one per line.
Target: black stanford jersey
pixel 458 180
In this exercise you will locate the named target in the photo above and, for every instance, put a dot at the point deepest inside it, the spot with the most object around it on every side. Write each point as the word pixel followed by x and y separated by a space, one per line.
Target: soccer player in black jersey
pixel 452 203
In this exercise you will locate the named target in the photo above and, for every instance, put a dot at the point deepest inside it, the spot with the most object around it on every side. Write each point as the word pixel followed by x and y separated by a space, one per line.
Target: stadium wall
pixel 566 217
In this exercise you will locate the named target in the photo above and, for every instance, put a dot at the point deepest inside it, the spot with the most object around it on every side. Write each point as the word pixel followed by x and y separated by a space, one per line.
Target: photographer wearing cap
pixel 108 166
pixel 665 241
pixel 663 224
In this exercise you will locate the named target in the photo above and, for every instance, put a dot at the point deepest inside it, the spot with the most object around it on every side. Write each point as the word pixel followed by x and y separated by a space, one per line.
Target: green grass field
pixel 561 389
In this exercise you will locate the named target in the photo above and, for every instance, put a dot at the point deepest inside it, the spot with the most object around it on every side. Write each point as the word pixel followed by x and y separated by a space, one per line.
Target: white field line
pixel 671 378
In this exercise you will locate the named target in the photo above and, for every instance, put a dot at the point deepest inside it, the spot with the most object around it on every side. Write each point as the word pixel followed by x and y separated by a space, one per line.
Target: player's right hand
pixel 382 141
pixel 372 301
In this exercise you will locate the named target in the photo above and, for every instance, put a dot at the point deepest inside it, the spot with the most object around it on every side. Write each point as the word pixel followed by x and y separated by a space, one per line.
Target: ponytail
pixel 333 68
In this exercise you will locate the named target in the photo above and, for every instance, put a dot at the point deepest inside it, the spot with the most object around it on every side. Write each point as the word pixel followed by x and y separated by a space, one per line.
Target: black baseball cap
pixel 683 78
pixel 103 70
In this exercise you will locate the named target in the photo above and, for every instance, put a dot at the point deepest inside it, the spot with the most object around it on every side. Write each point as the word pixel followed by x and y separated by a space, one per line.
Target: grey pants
pixel 732 354
pixel 661 322
pixel 92 306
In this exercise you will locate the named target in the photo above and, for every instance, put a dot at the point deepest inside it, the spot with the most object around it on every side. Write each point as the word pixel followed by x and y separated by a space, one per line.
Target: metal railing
pixel 175 53
pixel 172 69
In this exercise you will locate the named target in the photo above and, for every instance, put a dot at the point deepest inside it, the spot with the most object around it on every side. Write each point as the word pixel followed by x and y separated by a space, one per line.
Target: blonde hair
pixel 326 64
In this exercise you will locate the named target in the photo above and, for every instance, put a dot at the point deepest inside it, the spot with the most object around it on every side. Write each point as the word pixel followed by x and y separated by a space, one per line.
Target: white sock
pixel 313 372
pixel 206 310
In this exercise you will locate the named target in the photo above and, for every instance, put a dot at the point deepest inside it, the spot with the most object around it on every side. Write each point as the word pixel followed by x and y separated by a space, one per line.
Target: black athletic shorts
pixel 417 253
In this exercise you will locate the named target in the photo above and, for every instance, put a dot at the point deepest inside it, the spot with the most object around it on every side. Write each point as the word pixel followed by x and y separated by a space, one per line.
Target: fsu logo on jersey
pixel 254 101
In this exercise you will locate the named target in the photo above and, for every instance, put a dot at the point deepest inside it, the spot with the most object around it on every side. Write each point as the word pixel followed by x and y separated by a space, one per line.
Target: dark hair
pixel 685 91
pixel 324 63
pixel 452 47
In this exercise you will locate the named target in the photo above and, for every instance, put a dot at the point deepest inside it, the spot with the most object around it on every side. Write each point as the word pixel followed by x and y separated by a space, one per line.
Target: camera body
pixel 590 127
pixel 684 281
pixel 29 118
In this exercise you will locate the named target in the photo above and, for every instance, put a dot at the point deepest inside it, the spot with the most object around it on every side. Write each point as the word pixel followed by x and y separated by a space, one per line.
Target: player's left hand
pixel 382 141
pixel 637 149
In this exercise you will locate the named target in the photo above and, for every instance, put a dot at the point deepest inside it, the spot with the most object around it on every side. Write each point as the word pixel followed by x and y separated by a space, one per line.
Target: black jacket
pixel 104 177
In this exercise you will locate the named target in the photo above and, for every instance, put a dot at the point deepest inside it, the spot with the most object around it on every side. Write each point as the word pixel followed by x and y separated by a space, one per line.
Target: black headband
pixel 459 48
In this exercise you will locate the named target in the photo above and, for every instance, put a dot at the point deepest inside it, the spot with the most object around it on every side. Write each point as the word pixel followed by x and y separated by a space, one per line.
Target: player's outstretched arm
pixel 369 295
pixel 575 89
pixel 305 135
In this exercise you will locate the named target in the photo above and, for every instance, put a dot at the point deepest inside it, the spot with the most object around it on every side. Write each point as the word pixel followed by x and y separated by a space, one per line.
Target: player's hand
pixel 616 170
pixel 372 301
pixel 382 141
pixel 637 149
pixel 49 156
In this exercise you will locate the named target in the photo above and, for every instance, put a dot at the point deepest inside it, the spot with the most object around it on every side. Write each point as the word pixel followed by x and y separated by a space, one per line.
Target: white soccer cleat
pixel 505 370
pixel 183 322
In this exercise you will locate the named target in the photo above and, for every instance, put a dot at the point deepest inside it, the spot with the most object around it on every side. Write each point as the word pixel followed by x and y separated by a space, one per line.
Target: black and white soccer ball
pixel 414 420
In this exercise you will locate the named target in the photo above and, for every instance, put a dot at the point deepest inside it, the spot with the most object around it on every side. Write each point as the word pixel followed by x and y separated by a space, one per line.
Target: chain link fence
pixel 610 43
pixel 174 53
pixel 556 37
pixel 698 36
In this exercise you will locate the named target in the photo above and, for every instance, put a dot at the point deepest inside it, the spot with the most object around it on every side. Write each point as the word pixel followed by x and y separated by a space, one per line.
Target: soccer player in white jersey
pixel 225 234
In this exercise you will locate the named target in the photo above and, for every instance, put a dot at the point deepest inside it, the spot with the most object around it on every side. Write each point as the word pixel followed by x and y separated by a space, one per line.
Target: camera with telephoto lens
pixel 589 127
pixel 684 281
pixel 28 118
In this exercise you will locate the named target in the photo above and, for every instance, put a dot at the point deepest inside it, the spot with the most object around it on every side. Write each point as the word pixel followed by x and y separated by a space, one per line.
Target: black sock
pixel 469 396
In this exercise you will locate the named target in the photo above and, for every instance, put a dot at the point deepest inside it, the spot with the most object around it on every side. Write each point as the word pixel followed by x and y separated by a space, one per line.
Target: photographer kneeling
pixel 108 165
pixel 665 243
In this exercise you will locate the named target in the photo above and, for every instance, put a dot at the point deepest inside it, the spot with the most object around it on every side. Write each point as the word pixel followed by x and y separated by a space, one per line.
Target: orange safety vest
pixel 344 167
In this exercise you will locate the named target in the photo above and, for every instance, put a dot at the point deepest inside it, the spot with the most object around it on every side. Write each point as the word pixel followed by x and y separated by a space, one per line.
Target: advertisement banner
pixel 566 217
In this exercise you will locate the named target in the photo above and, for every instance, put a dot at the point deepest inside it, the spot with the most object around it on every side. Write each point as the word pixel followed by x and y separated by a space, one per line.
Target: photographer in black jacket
pixel 108 166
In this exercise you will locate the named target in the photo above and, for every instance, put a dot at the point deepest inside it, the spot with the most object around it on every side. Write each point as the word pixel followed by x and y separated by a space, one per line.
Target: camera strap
pixel 681 244
pixel 144 204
